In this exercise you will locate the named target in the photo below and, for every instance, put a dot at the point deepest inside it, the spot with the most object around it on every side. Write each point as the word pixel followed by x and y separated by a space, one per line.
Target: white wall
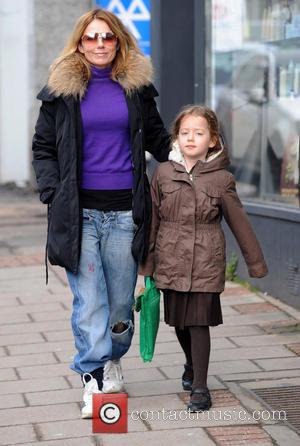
pixel 16 47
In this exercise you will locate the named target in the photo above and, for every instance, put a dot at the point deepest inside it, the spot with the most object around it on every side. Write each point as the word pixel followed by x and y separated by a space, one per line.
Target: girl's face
pixel 194 138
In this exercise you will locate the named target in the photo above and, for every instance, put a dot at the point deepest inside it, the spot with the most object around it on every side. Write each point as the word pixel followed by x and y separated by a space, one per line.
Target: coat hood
pixel 70 76
pixel 216 161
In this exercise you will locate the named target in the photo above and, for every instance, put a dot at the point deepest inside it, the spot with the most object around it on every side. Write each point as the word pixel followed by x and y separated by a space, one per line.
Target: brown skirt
pixel 192 308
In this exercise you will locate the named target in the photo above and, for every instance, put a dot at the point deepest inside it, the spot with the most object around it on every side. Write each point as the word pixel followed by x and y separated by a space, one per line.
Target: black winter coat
pixel 57 145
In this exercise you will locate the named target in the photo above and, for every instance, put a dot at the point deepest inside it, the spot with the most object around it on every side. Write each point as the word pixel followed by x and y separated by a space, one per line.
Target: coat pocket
pixel 170 188
pixel 218 246
pixel 59 239
pixel 214 195
pixel 170 201
pixel 209 205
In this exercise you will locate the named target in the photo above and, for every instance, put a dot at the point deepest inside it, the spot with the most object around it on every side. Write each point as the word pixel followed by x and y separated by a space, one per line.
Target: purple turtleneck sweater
pixel 106 154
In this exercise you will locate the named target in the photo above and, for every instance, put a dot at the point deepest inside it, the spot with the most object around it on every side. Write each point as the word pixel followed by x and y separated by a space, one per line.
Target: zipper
pixel 193 254
pixel 133 166
pixel 79 141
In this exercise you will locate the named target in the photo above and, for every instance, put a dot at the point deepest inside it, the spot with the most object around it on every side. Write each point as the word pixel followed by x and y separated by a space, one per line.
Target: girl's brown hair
pixel 204 112
pixel 126 41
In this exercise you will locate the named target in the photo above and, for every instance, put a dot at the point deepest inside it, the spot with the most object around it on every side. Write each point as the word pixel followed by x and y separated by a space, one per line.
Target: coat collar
pixel 216 161
pixel 70 76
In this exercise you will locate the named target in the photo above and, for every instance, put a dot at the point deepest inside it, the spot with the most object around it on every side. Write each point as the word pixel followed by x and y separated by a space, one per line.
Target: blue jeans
pixel 103 289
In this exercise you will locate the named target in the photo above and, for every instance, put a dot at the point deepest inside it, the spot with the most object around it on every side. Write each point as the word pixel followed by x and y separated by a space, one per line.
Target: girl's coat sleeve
pixel 241 228
pixel 147 268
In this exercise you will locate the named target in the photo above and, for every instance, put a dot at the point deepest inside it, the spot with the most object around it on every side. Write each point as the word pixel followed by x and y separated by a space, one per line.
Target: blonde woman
pixel 97 119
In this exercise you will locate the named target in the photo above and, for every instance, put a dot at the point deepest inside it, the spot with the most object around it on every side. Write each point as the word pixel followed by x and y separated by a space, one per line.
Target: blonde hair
pixel 204 112
pixel 126 41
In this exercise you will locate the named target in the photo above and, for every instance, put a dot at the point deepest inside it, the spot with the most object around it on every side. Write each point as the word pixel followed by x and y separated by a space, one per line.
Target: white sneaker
pixel 113 381
pixel 90 387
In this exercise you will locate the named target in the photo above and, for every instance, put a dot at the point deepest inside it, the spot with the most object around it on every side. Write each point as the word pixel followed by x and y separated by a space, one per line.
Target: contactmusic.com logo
pixel 110 413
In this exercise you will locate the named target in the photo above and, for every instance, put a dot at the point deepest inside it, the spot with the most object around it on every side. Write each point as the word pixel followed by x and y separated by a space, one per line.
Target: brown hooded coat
pixel 187 244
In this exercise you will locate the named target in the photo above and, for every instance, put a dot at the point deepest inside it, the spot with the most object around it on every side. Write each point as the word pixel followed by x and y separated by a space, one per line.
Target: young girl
pixel 190 193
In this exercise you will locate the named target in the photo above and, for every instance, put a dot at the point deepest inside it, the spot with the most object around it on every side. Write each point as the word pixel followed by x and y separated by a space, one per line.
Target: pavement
pixel 254 372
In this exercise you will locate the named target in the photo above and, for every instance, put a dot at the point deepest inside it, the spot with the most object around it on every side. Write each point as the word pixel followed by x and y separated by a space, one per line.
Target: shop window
pixel 256 93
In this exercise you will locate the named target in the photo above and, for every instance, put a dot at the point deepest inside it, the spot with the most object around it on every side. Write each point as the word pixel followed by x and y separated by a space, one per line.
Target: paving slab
pixel 232 331
pixel 8 375
pixel 158 387
pixel 40 347
pixel 261 318
pixel 28 338
pixel 78 428
pixel 11 301
pixel 194 436
pixel 279 364
pixel 269 339
pixel 272 383
pixel 249 376
pixel 44 413
pixel 283 435
pixel 33 327
pixel 8 402
pixel 235 300
pixel 30 360
pixel 60 335
pixel 17 434
pixel 60 315
pixel 82 441
pixel 33 385
pixel 43 371
pixel 274 351
pixel 2 352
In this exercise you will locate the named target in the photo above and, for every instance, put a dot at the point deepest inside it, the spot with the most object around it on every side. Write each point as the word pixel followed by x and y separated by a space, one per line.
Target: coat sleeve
pixel 45 161
pixel 148 267
pixel 241 228
pixel 157 139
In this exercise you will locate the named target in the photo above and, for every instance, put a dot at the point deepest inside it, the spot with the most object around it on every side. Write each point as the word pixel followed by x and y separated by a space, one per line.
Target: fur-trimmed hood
pixel 70 76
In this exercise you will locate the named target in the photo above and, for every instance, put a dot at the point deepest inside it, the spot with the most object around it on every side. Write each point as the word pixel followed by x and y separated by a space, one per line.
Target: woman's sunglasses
pixel 92 38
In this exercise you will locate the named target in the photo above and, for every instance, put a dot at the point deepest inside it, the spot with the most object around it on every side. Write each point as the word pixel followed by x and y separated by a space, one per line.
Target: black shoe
pixel 200 400
pixel 187 377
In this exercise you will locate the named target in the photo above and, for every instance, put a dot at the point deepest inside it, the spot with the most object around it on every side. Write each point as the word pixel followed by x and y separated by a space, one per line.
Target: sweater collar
pixel 100 73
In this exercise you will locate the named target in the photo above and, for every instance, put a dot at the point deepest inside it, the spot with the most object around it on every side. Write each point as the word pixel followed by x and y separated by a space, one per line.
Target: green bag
pixel 148 303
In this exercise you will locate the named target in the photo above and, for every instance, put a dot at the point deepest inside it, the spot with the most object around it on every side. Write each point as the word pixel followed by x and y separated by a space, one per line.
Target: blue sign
pixel 135 14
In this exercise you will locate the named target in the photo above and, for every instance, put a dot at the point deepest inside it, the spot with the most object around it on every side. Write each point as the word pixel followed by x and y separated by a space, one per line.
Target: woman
pixel 98 116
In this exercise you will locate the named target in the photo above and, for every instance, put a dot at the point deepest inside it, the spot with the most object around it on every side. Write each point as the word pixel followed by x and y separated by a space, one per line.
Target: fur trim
pixel 138 72
pixel 70 77
pixel 177 156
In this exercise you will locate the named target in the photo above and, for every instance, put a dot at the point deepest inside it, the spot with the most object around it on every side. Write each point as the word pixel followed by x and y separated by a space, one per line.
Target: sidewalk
pixel 254 366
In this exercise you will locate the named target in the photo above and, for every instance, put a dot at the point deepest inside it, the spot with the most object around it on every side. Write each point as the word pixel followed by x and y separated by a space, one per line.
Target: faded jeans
pixel 103 289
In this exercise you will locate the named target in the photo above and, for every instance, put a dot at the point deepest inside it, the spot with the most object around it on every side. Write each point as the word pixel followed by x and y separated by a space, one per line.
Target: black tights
pixel 195 342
